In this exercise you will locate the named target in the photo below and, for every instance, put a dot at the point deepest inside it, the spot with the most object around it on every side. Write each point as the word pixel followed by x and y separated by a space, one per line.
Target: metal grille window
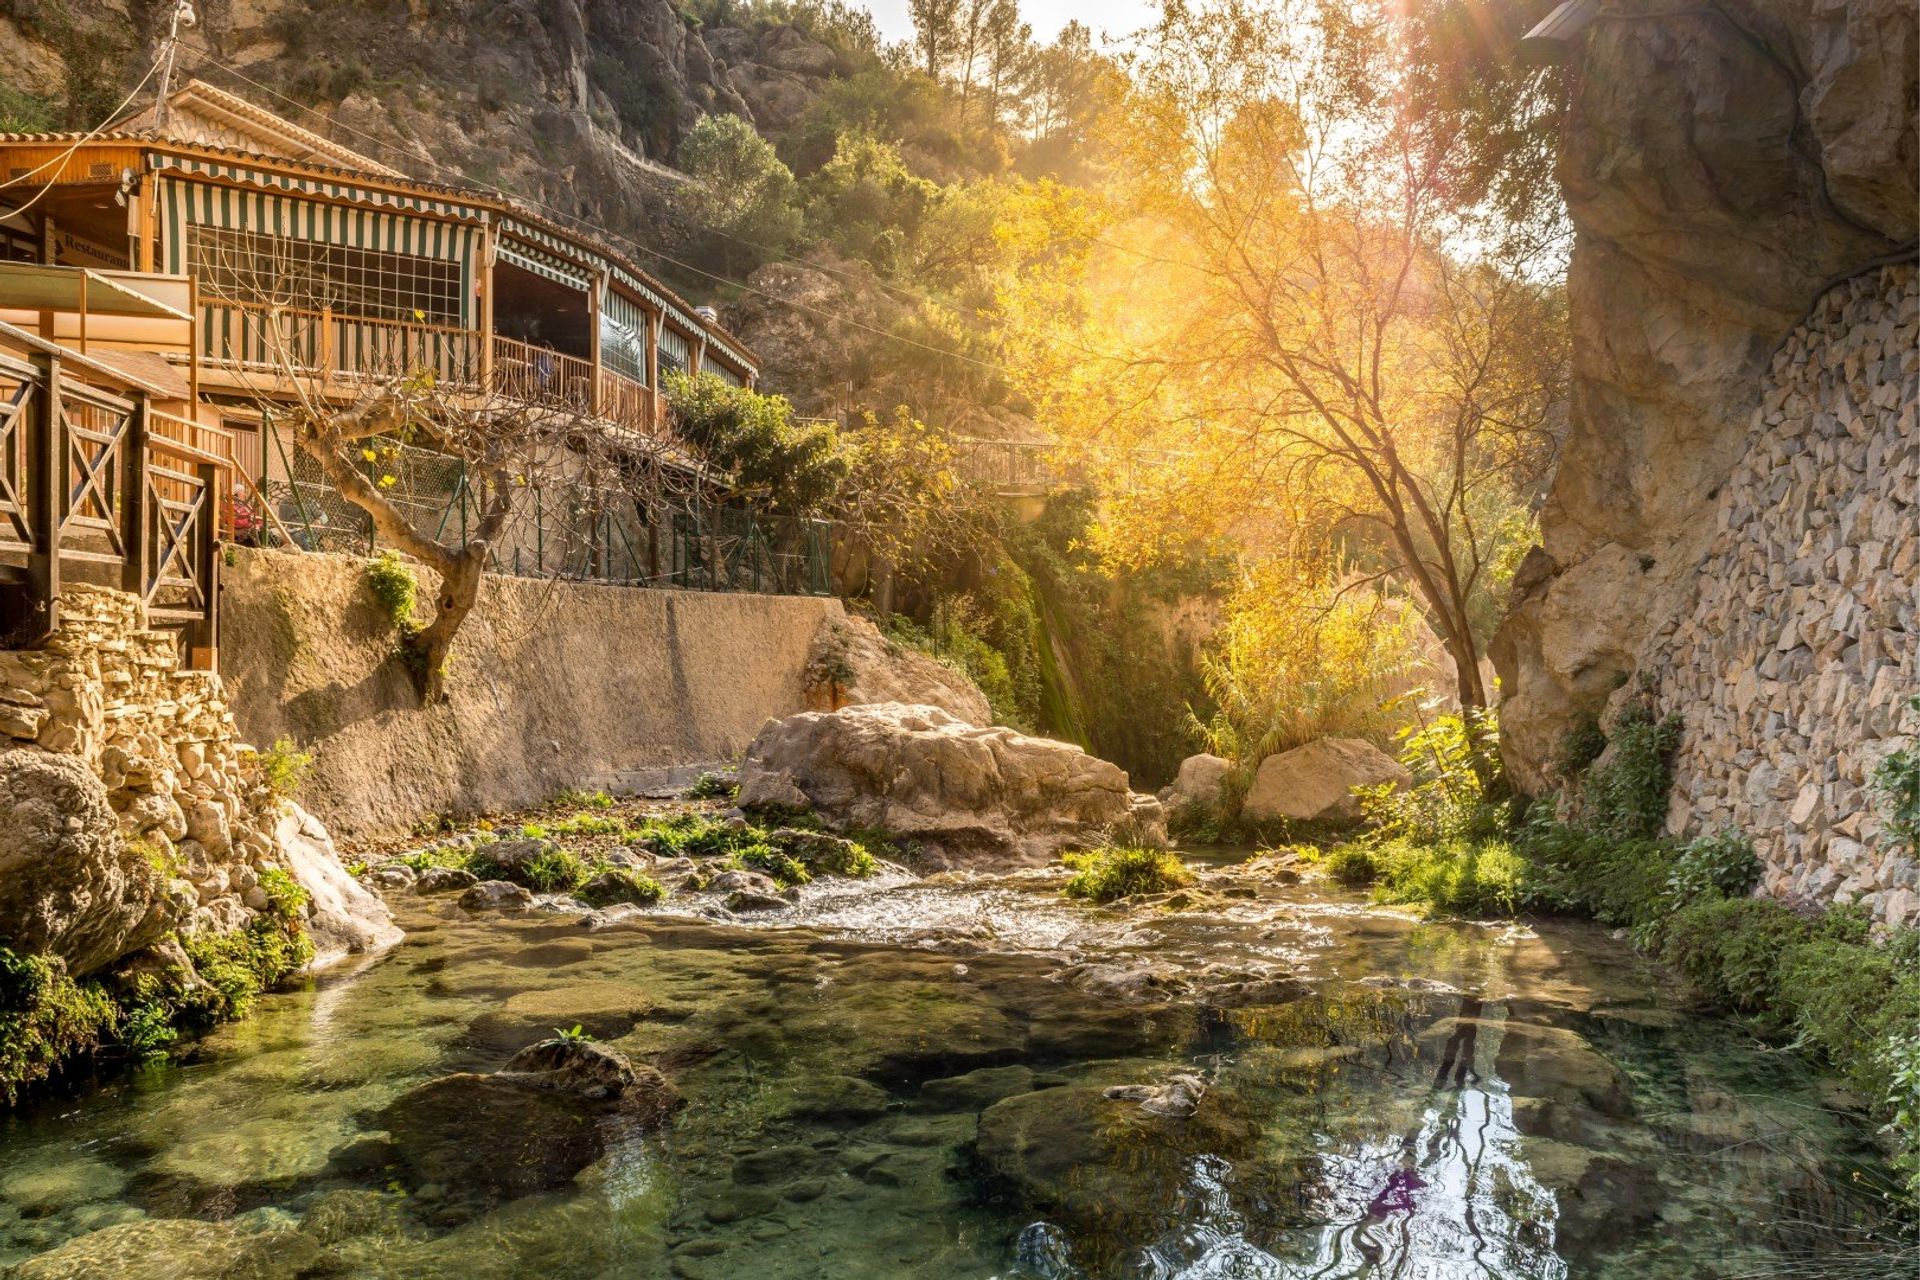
pixel 622 350
pixel 235 265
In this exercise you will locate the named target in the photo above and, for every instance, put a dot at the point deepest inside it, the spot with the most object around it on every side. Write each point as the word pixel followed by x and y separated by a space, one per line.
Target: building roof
pixel 236 114
pixel 329 162
pixel 32 287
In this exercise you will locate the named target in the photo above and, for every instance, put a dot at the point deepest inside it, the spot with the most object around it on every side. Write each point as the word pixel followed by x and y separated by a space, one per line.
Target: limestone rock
pixel 966 794
pixel 342 916
pixel 70 886
pixel 851 663
pixel 1314 783
pixel 1200 781
pixel 444 880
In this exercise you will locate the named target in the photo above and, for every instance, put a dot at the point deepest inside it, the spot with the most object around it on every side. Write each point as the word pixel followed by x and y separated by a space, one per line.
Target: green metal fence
pixel 558 529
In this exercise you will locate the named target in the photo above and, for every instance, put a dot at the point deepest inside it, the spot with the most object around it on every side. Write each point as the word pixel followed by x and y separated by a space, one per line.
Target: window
pixel 252 267
pixel 622 350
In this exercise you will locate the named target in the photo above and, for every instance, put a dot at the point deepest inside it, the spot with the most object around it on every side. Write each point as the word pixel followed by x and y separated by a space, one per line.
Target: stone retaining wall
pixel 1792 668
pixel 552 685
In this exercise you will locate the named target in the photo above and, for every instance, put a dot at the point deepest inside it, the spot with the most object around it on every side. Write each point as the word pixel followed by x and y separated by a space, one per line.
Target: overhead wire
pixel 652 251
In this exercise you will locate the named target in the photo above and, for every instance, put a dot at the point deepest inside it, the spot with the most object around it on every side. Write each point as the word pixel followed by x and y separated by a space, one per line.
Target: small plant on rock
pixel 395 589
pixel 552 871
pixel 282 767
pixel 286 897
pixel 1120 871
pixel 575 1034
pixel 712 786
pixel 1898 779
pixel 781 867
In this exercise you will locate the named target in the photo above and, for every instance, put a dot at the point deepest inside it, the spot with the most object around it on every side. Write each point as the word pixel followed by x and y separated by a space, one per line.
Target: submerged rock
pixel 965 794
pixel 527 1128
pixel 1177 1096
pixel 745 901
pixel 169 1248
pixel 1536 1061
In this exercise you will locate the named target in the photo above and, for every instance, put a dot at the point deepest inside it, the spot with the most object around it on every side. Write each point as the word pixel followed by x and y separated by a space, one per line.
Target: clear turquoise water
pixel 899 1081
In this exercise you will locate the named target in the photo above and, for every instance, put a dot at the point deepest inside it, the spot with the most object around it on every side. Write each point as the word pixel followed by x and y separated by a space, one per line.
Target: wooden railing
pixel 307 341
pixel 86 481
pixel 542 376
pixel 629 403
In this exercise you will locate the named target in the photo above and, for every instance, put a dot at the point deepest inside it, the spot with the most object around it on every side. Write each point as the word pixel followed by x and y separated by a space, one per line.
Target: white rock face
pixel 1200 781
pixel 343 917
pixel 851 664
pixel 969 796
pixel 1314 783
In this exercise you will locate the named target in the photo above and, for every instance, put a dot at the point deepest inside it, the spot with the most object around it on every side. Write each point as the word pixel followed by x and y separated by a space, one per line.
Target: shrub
pixel 1120 871
pixel 1627 796
pixel 712 786
pixel 1459 790
pixel 574 798
pixel 286 897
pixel 391 581
pixel 588 824
pixel 552 871
pixel 238 966
pixel 1472 877
pixel 1723 863
pixel 824 855
pixel 46 1018
pixel 282 767
pixel 1898 779
pixel 1351 864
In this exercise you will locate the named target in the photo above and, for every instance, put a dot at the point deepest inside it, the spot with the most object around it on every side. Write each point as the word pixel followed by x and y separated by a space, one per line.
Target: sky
pixel 1116 17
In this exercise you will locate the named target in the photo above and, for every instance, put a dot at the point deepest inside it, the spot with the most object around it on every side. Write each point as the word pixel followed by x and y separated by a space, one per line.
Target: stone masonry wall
pixel 108 690
pixel 1792 668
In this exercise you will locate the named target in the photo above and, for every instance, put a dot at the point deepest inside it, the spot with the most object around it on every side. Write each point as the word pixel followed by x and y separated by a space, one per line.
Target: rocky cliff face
pixel 1724 166
pixel 574 103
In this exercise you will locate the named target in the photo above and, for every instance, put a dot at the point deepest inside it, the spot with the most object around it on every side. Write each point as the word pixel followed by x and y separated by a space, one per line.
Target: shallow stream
pixel 907 1079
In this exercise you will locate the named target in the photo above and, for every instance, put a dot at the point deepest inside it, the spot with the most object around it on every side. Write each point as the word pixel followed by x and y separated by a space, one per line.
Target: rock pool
pixel 908 1078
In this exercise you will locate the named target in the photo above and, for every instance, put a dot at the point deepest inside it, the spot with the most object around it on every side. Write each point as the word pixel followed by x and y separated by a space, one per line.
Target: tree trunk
pixel 428 650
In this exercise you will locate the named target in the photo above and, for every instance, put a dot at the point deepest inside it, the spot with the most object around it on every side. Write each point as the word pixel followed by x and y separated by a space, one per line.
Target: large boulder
pixel 70 886
pixel 965 794
pixel 851 663
pixel 342 916
pixel 1202 780
pixel 1315 783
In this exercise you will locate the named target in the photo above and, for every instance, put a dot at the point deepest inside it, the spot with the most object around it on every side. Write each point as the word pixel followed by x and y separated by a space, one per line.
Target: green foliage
pixel 754 438
pixel 1897 778
pixel 1723 864
pixel 1627 795
pixel 236 967
pixel 1120 871
pixel 574 1034
pixel 587 824
pixel 1353 865
pixel 712 786
pixel 574 798
pixel 1465 876
pixel 437 856
pixel 1458 792
pixel 552 871
pixel 958 636
pixel 46 1019
pixel 22 112
pixel 395 589
pixel 777 864
pixel 740 191
pixel 286 897
pixel 282 767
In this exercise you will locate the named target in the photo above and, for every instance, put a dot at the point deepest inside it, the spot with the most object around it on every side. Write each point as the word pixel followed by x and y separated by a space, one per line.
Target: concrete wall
pixel 552 685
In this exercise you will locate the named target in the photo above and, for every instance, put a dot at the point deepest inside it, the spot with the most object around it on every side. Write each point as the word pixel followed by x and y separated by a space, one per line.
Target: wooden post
pixel 206 554
pixel 140 214
pixel 486 304
pixel 326 339
pixel 698 361
pixel 134 516
pixel 596 298
pixel 193 344
pixel 84 273
pixel 47 451
pixel 653 364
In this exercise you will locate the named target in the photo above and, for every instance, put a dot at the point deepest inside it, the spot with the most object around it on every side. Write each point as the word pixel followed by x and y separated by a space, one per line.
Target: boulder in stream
pixel 343 917
pixel 1315 782
pixel 527 1128
pixel 965 794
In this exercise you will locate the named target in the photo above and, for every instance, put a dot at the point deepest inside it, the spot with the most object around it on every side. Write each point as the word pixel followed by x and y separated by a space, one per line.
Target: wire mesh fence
pixel 559 528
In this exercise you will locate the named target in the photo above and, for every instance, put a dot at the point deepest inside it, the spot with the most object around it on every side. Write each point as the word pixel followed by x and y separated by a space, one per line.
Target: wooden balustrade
pixel 86 481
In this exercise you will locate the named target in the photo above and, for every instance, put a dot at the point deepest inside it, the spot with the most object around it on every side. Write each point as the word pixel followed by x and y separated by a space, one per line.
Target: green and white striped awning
pixel 545 264
pixel 354 192
pixel 673 348
pixel 185 203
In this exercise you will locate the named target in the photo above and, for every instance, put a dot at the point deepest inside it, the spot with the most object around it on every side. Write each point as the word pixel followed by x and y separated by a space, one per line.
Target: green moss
pixel 711 786
pixel 574 798
pixel 1104 875
pixel 587 824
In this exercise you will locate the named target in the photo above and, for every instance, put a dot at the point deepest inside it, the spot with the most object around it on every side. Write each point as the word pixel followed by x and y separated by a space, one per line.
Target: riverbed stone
pixel 341 916
pixel 445 880
pixel 1315 782
pixel 965 794
pixel 977 1089
pixel 497 895
pixel 1536 1061
pixel 163 1249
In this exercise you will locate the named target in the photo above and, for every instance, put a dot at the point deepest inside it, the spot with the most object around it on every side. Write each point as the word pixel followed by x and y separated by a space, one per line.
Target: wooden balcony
pixel 252 347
